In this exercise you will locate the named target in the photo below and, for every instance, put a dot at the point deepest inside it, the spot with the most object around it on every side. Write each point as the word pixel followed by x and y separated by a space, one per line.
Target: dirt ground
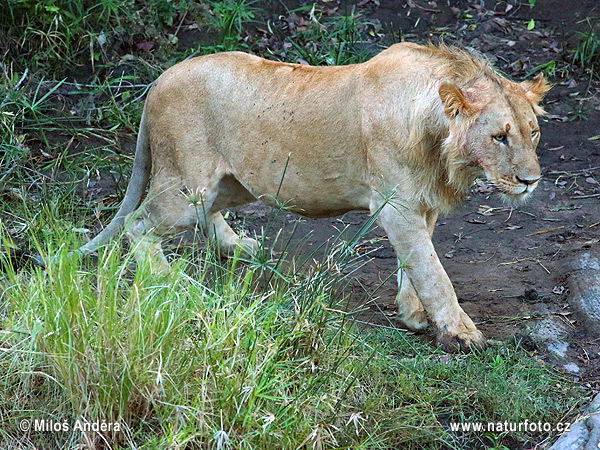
pixel 510 267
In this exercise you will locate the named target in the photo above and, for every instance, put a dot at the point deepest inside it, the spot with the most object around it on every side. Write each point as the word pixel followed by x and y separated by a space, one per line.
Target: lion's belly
pixel 318 189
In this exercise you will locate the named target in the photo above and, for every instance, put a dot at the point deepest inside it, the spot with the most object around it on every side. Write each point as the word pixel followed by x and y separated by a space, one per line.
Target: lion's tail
pixel 135 191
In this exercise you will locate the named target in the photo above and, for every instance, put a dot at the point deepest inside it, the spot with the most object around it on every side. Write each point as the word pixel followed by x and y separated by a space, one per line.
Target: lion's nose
pixel 528 181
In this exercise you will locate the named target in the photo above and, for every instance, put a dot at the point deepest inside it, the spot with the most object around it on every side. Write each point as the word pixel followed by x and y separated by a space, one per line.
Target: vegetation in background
pixel 587 53
pixel 55 35
pixel 329 40
pixel 230 18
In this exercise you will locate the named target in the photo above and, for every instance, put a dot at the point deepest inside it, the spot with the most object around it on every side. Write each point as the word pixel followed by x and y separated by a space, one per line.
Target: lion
pixel 423 122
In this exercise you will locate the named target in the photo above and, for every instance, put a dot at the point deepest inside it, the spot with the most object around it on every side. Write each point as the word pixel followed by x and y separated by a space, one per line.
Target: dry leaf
pixel 558 290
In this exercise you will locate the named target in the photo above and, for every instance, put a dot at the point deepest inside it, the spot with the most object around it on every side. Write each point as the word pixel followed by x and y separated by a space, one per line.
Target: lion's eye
pixel 534 134
pixel 500 138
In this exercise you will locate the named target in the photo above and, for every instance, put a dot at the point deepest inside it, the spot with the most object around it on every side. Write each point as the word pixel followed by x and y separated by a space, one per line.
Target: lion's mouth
pixel 510 189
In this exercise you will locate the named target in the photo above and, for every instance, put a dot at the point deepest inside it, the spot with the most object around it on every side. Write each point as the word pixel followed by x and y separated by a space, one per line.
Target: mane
pixel 443 174
pixel 434 147
pixel 462 66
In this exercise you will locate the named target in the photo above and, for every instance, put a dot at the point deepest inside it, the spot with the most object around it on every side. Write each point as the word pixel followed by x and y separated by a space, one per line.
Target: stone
pixel 584 284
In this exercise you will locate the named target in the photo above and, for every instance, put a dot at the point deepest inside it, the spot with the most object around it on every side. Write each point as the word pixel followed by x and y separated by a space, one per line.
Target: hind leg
pixel 164 214
pixel 229 193
pixel 410 309
pixel 168 211
pixel 146 245
pixel 227 239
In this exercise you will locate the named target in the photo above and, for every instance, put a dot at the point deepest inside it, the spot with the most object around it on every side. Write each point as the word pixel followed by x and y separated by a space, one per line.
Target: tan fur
pixel 416 121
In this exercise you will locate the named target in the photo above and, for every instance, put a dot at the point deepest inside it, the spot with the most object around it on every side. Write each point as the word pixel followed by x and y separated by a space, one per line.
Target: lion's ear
pixel 454 101
pixel 535 90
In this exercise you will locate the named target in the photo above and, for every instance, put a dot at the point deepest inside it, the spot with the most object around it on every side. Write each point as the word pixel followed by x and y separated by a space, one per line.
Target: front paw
pixel 465 338
pixel 453 343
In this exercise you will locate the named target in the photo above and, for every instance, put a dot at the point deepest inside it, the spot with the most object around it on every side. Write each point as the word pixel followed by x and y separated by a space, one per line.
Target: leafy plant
pixel 548 68
pixel 230 18
pixel 329 40
pixel 59 34
pixel 578 113
pixel 587 53
pixel 162 12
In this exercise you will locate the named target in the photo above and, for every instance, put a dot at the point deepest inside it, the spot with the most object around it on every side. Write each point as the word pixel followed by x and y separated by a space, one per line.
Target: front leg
pixel 410 309
pixel 408 232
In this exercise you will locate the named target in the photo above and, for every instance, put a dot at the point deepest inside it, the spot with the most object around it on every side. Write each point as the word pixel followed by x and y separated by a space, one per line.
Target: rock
pixel 571 367
pixel 551 333
pixel 584 284
pixel 531 295
pixel 585 433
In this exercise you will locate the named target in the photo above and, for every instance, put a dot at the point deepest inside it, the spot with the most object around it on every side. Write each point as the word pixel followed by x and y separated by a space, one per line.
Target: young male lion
pixel 422 122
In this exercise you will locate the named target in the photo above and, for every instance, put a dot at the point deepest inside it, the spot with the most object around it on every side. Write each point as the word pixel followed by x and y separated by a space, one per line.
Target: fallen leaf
pixel 555 117
pixel 590 180
pixel 514 227
pixel 558 290
pixel 146 46
pixel 571 83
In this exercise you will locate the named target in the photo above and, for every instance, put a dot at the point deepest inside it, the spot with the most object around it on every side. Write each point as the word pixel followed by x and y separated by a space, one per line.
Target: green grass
pixel 218 354
pixel 329 40
pixel 230 17
pixel 58 35
pixel 587 52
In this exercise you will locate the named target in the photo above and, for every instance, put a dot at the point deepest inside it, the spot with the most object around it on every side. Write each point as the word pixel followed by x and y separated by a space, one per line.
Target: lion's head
pixel 494 129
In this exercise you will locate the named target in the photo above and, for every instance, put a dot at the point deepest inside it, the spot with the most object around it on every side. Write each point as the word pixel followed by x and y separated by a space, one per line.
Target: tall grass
pixel 226 354
pixel 334 40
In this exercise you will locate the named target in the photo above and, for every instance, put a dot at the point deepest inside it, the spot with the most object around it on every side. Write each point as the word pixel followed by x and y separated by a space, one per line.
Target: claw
pixel 463 342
